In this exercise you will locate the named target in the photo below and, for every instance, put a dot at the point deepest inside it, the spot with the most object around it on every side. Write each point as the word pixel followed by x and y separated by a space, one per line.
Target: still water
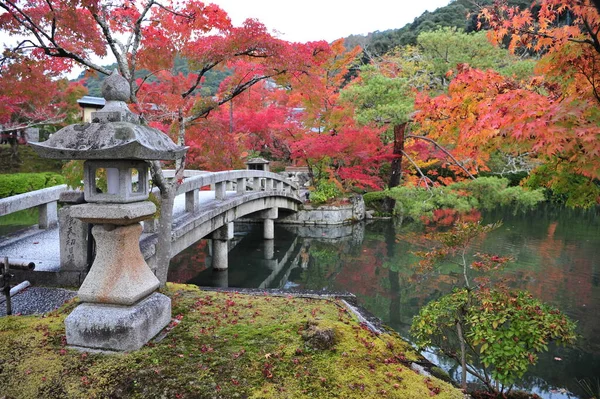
pixel 557 259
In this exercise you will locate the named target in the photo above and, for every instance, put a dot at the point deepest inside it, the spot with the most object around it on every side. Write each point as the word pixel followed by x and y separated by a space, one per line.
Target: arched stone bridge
pixel 206 205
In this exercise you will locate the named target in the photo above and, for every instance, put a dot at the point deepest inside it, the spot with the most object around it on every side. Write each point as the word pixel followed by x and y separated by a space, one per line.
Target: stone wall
pixel 328 214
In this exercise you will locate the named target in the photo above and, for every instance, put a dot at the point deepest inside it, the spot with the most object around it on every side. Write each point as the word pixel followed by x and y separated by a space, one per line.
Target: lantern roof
pixel 115 133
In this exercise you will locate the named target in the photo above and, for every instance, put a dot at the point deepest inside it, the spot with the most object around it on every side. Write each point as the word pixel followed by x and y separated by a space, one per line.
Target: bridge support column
pixel 220 278
pixel 269 217
pixel 269 249
pixel 269 229
pixel 220 247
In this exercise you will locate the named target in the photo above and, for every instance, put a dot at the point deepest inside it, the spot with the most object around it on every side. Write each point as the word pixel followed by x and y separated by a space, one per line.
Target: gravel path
pixel 37 300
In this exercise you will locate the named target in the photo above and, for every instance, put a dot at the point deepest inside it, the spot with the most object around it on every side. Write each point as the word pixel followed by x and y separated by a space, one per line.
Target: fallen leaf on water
pixel 558 359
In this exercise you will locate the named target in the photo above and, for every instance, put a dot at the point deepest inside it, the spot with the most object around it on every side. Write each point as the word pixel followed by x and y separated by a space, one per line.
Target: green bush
pixel 19 183
pixel 325 191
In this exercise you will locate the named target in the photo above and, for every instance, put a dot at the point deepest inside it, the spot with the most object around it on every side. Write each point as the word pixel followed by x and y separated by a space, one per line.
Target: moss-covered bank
pixel 226 345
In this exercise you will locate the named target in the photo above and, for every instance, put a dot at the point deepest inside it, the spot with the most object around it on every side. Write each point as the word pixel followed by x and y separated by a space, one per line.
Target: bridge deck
pixel 42 246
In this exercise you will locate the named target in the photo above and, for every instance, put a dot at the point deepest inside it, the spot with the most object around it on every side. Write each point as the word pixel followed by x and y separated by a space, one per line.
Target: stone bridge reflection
pixel 258 263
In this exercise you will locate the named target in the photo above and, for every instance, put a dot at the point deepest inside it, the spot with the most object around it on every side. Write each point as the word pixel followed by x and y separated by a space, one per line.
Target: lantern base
pixel 118 328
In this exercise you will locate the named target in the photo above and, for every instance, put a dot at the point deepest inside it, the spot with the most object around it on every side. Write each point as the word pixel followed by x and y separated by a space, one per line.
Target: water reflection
pixel 557 260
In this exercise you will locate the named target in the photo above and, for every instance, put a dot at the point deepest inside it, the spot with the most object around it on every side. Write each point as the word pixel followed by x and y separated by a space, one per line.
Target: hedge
pixel 19 183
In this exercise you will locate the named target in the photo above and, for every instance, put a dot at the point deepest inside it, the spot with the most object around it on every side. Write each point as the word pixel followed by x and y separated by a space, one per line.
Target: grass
pixel 226 345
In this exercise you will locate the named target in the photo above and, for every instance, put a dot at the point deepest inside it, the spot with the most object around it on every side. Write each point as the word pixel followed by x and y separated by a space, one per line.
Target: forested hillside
pixel 458 14
pixel 93 82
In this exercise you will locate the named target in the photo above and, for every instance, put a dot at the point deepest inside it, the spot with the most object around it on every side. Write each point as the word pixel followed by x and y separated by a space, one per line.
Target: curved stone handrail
pixel 45 199
pixel 208 178
pixel 266 191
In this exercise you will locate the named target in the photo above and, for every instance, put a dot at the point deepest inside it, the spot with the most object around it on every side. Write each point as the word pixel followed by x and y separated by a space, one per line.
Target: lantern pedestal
pixel 118 328
pixel 119 310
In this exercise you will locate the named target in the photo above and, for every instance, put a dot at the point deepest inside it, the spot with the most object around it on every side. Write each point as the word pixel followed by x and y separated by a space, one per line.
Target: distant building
pixel 88 105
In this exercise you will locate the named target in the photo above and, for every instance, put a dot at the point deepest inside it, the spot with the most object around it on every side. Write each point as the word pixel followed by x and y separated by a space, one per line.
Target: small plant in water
pixel 494 333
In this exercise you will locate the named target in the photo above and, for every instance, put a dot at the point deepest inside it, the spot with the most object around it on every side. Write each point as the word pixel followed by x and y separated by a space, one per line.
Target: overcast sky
pixel 308 20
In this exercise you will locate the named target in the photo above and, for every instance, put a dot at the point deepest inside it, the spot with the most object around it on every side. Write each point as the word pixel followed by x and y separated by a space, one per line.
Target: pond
pixel 557 259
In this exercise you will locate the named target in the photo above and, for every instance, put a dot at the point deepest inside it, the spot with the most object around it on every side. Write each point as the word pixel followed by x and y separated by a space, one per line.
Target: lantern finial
pixel 116 88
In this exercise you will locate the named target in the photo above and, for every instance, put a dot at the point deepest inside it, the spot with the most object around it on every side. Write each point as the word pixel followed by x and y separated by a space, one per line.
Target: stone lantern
pixel 257 164
pixel 120 309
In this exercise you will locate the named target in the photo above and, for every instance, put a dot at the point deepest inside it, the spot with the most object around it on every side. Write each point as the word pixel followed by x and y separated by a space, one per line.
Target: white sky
pixel 309 20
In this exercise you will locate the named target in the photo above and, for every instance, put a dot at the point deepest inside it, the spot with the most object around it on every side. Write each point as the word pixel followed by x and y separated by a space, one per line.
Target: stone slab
pixel 118 328
pixel 118 214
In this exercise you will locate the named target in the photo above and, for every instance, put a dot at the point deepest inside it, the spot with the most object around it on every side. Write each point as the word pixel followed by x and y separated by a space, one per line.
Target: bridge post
pixel 241 185
pixel 48 216
pixel 191 201
pixel 220 247
pixel 268 184
pixel 220 192
pixel 256 184
pixel 279 185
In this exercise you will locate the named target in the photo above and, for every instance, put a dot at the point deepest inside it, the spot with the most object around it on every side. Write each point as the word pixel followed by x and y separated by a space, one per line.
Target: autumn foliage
pixel 313 104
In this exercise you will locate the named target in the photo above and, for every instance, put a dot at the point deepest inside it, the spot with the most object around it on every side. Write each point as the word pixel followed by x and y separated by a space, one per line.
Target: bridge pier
pixel 220 247
pixel 269 246
pixel 269 217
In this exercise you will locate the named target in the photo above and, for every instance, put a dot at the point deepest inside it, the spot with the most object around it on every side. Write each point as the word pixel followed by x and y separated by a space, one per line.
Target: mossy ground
pixel 226 345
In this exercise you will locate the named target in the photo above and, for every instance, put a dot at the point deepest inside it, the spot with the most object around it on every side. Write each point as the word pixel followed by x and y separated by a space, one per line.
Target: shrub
pixel 20 183
pixel 325 191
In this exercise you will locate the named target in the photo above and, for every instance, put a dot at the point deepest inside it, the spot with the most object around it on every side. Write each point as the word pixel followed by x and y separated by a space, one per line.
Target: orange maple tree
pixel 554 117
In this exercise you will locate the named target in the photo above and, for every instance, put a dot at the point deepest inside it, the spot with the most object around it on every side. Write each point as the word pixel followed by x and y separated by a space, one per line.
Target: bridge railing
pixel 232 180
pixel 46 200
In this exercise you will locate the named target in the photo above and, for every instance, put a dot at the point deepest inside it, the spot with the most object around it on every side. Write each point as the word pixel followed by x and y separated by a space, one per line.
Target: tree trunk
pixel 165 227
pixel 399 131
pixel 13 140
pixel 165 222
pixel 168 190
pixel 396 172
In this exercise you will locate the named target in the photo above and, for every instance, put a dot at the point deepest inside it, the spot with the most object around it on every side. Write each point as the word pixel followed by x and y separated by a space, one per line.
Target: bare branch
pixel 445 152
pixel 423 177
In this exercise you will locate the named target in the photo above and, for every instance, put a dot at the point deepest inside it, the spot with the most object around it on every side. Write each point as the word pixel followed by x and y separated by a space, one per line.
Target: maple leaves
pixel 484 111
pixel 567 33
